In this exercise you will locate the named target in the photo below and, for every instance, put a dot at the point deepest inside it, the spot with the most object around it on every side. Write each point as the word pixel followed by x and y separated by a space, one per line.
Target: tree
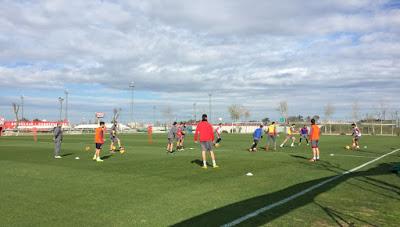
pixel 329 110
pixel 283 109
pixel 382 113
pixel 265 121
pixel 16 110
pixel 316 118
pixel 297 118
pixel 116 113
pixel 355 109
pixel 235 112
pixel 246 114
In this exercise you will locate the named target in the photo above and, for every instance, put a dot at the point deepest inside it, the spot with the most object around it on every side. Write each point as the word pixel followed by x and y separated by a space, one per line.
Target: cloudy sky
pixel 249 52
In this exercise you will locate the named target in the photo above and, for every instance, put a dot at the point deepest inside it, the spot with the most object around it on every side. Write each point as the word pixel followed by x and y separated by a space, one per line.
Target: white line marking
pixel 349 155
pixel 283 201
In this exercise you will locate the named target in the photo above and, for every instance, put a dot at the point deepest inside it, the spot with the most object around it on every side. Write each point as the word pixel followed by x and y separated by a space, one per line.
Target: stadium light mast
pixel 61 105
pixel 132 86
pixel 66 104
pixel 209 107
pixel 22 107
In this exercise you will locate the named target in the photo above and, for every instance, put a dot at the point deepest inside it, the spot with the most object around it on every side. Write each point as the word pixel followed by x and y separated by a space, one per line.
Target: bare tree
pixel 246 114
pixel 329 111
pixel 283 109
pixel 116 113
pixel 15 107
pixel 235 111
pixel 382 113
pixel 355 111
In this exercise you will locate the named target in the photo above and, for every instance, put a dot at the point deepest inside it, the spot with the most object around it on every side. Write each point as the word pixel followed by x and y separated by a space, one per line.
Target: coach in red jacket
pixel 206 132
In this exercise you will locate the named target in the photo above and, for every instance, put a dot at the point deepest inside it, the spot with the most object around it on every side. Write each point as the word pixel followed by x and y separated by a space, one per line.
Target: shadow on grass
pixel 342 219
pixel 298 156
pixel 106 156
pixel 67 154
pixel 227 214
pixel 197 162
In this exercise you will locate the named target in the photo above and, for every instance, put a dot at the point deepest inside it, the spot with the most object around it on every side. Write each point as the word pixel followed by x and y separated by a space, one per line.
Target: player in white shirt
pixel 218 131
pixel 356 136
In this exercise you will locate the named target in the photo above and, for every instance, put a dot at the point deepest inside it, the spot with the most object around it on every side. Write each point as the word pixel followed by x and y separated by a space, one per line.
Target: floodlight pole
pixel 66 104
pixel 132 86
pixel 61 105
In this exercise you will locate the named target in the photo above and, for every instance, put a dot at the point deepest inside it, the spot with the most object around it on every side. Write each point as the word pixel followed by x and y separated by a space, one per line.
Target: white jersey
pixel 218 130
pixel 356 132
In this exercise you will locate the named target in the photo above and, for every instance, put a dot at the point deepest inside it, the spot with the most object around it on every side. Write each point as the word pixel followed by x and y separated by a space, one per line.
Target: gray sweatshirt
pixel 172 132
pixel 58 134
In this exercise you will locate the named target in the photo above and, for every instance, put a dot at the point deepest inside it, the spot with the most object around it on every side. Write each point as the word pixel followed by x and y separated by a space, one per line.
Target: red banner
pixel 29 125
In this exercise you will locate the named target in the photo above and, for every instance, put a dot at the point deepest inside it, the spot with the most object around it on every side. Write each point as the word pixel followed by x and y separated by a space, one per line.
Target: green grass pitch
pixel 147 187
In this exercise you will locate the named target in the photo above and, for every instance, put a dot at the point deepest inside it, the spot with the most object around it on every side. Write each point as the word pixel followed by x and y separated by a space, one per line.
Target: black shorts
pixel 99 145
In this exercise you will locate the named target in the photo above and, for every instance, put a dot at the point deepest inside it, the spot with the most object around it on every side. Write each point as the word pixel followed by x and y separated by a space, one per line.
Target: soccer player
pixel 289 135
pixel 57 138
pixel 114 139
pixel 271 138
pixel 99 140
pixel 257 135
pixel 183 134
pixel 172 135
pixel 206 139
pixel 218 131
pixel 304 134
pixel 356 136
pixel 314 138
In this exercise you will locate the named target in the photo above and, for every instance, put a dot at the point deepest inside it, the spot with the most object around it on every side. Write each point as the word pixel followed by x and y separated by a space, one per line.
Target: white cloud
pixel 179 50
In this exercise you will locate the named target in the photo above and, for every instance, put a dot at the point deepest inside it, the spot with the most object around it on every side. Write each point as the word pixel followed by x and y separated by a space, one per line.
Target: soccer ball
pixel 87 148
pixel 347 147
pixel 122 150
pixel 217 145
pixel 114 148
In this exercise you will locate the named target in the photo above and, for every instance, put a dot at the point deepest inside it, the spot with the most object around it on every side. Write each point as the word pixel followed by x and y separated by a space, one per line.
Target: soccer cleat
pixel 292 145
pixel 281 145
pixel 99 160
pixel 57 157
pixel 204 167
pixel 94 158
pixel 312 160
pixel 215 166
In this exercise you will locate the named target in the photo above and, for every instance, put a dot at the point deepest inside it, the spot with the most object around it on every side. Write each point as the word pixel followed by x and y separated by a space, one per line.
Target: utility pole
pixel 61 105
pixel 66 105
pixel 132 86
pixel 22 108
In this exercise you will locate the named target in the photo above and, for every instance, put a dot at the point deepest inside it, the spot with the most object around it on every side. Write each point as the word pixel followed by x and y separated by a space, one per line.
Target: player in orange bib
pixel 99 140
pixel 315 133
pixel 271 136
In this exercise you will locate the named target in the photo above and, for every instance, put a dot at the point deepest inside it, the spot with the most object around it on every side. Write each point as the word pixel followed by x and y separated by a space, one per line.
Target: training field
pixel 147 187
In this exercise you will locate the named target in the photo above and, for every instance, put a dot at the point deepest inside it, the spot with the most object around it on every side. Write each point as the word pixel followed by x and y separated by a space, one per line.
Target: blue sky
pixel 253 53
